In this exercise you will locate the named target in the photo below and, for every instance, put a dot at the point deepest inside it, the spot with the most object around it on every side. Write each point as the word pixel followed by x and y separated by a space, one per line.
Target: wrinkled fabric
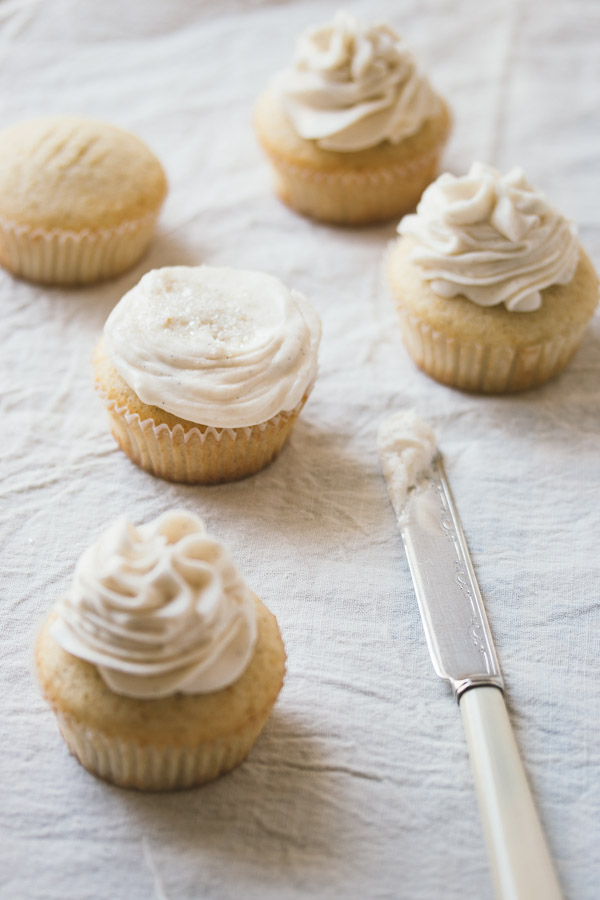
pixel 360 785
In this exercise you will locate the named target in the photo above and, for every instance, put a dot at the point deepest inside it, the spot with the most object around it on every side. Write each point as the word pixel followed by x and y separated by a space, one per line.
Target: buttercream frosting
pixel 159 609
pixel 406 447
pixel 353 85
pixel 492 238
pixel 222 347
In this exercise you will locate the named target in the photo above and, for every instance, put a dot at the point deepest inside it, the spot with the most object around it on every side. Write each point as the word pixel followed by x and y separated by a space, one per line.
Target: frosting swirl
pixel 159 609
pixel 222 347
pixel 492 238
pixel 354 85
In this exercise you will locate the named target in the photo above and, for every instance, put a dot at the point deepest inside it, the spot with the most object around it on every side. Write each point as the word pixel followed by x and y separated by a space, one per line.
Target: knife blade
pixel 462 651
pixel 456 626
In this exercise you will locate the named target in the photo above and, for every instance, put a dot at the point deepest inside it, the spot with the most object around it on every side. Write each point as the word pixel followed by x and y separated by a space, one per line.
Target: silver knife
pixel 461 647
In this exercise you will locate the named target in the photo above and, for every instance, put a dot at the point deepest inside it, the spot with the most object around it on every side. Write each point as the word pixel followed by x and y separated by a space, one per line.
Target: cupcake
pixel 204 371
pixel 78 199
pixel 159 663
pixel 493 288
pixel 353 129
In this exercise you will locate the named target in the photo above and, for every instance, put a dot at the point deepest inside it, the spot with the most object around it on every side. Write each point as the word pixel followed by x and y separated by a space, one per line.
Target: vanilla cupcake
pixel 78 199
pixel 353 129
pixel 204 371
pixel 160 664
pixel 493 288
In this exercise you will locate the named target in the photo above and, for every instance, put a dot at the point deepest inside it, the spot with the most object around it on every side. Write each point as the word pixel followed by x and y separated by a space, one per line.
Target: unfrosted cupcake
pixel 204 370
pixel 353 129
pixel 160 664
pixel 79 199
pixel 492 285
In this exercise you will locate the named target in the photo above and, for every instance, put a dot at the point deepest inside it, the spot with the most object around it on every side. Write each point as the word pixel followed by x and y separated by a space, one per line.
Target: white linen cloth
pixel 360 786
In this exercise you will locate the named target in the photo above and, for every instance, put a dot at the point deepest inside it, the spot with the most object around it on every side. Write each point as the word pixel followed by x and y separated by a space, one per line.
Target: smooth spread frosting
pixel 492 238
pixel 406 447
pixel 354 85
pixel 216 346
pixel 159 609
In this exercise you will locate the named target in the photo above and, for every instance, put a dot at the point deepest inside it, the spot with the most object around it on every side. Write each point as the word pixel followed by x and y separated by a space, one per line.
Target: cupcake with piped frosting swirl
pixel 204 370
pixel 160 663
pixel 492 285
pixel 352 128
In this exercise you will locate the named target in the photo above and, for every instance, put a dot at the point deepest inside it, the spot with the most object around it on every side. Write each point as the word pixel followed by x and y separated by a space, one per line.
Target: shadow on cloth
pixel 280 807
pixel 318 491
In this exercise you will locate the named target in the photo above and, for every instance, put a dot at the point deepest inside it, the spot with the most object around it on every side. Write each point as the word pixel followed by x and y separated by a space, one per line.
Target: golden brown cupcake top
pixel 72 174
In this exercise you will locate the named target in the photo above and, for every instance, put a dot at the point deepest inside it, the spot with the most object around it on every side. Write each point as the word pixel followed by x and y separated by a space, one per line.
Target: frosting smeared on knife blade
pixel 407 448
pixel 456 627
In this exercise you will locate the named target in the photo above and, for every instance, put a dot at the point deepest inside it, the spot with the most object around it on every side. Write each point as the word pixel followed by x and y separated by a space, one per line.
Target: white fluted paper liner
pixel 203 454
pixel 486 368
pixel 353 197
pixel 151 768
pixel 70 257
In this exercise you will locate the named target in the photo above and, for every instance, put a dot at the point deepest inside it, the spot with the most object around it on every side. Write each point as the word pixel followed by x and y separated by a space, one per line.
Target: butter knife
pixel 461 648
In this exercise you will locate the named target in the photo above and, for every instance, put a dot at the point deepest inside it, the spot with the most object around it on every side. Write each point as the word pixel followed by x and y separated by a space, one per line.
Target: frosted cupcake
pixel 204 371
pixel 492 285
pixel 160 664
pixel 79 199
pixel 352 128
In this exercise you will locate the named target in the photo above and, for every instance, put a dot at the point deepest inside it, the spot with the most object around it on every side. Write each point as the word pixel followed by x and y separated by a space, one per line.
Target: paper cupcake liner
pixel 149 768
pixel 486 368
pixel 201 454
pixel 69 257
pixel 357 196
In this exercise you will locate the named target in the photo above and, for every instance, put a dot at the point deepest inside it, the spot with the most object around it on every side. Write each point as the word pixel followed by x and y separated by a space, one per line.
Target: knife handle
pixel 522 867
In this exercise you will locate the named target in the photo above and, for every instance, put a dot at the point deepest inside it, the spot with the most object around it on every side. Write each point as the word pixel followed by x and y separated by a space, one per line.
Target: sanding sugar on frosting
pixel 222 347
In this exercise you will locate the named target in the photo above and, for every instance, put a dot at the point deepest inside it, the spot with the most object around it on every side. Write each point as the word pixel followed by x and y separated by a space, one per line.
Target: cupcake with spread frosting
pixel 204 370
pixel 492 285
pixel 353 129
pixel 159 662
pixel 79 199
